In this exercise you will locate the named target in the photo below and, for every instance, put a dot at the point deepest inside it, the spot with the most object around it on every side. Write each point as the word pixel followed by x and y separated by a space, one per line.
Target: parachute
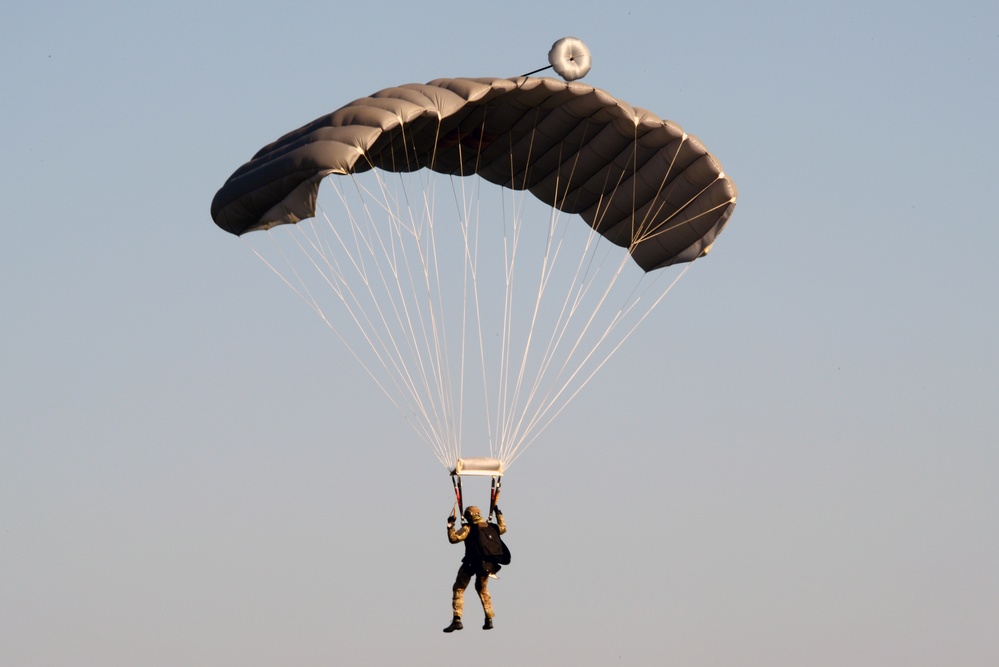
pixel 638 180
pixel 417 258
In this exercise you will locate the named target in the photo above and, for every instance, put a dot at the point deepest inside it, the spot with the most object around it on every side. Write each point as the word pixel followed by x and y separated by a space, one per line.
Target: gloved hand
pixel 451 519
pixel 497 510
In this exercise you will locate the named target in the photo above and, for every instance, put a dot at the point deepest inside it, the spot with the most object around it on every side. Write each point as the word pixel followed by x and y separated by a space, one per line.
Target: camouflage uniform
pixel 471 565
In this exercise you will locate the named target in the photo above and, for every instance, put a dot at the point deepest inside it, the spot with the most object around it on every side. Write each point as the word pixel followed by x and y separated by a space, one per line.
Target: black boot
pixel 488 625
pixel 455 625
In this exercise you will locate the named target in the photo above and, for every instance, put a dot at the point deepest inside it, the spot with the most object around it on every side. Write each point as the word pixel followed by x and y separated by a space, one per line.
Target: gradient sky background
pixel 793 462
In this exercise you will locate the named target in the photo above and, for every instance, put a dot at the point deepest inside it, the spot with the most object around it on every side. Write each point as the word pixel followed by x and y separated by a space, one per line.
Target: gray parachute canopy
pixel 640 181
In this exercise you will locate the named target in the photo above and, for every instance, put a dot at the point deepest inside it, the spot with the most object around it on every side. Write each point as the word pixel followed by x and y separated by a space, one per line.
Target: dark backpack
pixel 491 546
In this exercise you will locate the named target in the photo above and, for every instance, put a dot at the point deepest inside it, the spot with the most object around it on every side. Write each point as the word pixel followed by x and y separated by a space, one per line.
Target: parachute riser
pixel 494 493
pixel 456 482
pixel 478 467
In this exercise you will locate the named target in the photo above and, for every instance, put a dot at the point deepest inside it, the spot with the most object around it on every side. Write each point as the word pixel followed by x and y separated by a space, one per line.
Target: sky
pixel 793 461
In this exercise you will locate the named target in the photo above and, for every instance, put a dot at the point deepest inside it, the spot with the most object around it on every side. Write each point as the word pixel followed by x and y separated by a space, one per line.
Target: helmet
pixel 473 514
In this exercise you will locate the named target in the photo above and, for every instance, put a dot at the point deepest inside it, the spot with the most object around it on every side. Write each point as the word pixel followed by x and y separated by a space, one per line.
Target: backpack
pixel 491 546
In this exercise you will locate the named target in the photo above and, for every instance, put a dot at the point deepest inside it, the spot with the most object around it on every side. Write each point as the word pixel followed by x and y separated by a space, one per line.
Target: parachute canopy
pixel 638 180
pixel 481 311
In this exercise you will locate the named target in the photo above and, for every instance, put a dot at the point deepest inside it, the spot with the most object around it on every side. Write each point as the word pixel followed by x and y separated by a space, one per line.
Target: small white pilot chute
pixel 570 58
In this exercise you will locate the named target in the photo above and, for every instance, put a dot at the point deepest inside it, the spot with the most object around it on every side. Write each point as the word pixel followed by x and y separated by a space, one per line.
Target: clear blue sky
pixel 793 462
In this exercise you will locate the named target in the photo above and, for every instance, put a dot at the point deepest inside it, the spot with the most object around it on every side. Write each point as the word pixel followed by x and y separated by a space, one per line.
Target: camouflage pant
pixel 461 582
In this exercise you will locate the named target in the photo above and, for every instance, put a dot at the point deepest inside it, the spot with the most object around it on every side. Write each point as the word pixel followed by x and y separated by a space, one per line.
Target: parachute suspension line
pixel 382 252
pixel 473 224
pixel 513 433
pixel 303 292
pixel 558 403
pixel 468 205
pixel 429 269
pixel 472 268
pixel 644 230
pixel 556 399
pixel 565 403
pixel 579 285
pixel 434 284
pixel 469 269
pixel 565 374
pixel 435 337
pixel 462 212
pixel 434 295
pixel 664 228
pixel 548 259
pixel 385 254
pixel 377 247
pixel 468 208
pixel 651 214
pixel 511 236
pixel 435 306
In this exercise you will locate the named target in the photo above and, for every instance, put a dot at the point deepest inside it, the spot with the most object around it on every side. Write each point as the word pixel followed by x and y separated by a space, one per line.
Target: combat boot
pixel 455 625
pixel 488 625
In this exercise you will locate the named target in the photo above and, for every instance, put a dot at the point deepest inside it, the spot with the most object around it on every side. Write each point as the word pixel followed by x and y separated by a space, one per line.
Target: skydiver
pixel 481 559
